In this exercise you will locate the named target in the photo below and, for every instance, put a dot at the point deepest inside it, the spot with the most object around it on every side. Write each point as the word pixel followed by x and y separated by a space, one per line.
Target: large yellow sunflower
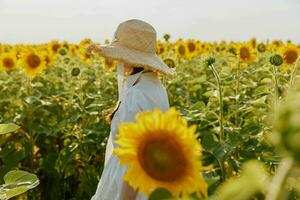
pixel 246 53
pixel 163 151
pixel 8 61
pixel 32 62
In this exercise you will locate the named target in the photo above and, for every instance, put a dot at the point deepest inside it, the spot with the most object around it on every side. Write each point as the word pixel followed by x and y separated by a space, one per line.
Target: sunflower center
pixel 33 61
pixel 108 62
pixel 161 50
pixel 192 47
pixel 162 159
pixel 55 47
pixel 181 50
pixel 290 56
pixel 244 53
pixel 8 63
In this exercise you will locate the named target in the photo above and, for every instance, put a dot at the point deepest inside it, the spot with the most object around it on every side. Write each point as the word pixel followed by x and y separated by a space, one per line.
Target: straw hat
pixel 135 43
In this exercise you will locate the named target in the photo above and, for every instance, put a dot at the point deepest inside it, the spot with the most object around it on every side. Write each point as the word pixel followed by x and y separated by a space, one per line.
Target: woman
pixel 134 47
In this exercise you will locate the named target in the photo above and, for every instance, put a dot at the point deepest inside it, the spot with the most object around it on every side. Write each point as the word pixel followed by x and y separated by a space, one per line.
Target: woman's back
pixel 145 92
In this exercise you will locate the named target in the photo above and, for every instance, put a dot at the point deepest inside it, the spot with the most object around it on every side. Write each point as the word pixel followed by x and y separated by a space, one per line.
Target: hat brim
pixel 131 56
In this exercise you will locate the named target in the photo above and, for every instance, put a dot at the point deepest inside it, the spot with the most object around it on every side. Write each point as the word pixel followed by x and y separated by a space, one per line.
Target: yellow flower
pixel 246 53
pixel 181 49
pixel 109 64
pixel 160 48
pixel 290 54
pixel 54 46
pixel 32 62
pixel 8 61
pixel 83 43
pixel 84 56
pixel 163 151
pixel 192 47
pixel 277 43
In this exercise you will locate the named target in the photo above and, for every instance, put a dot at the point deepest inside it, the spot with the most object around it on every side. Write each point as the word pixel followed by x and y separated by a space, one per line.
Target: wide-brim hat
pixel 134 42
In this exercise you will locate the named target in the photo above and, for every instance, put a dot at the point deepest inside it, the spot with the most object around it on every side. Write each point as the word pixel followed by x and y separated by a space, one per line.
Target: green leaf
pixel 252 129
pixel 17 182
pixel 160 194
pixel 8 128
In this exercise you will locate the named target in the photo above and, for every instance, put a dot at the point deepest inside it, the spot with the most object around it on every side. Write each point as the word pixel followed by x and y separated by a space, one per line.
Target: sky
pixel 39 21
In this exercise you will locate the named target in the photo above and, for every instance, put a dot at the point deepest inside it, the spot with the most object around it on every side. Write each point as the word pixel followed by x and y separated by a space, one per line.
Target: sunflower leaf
pixel 160 194
pixel 17 182
pixel 8 128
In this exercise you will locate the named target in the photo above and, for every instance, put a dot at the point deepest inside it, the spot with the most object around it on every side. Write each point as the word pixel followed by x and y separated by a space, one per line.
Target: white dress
pixel 144 92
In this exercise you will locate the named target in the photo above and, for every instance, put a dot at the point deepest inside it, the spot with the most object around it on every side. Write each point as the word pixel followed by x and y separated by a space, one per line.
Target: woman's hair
pixel 109 117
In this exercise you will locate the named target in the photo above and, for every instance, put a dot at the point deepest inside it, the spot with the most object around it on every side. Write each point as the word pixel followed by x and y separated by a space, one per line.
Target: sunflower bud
pixel 287 125
pixel 167 37
pixel 67 60
pixel 261 48
pixel 276 60
pixel 170 62
pixel 75 71
pixel 210 61
pixel 62 51
pixel 232 50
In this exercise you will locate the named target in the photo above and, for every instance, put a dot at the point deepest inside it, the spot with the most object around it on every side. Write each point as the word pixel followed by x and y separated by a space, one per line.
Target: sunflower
pixel 8 61
pixel 32 62
pixel 192 47
pixel 83 43
pixel 170 62
pixel 84 56
pixel 246 53
pixel 290 54
pixel 277 43
pixel 163 151
pixel 160 48
pixel 181 49
pixel 109 64
pixel 54 46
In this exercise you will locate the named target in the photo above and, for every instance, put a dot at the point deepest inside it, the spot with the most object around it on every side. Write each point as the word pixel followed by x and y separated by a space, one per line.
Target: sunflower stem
pixel 293 74
pixel 275 77
pixel 221 117
pixel 237 88
pixel 28 122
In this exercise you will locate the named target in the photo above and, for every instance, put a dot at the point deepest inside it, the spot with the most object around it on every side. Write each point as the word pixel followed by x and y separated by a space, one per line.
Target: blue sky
pixel 37 21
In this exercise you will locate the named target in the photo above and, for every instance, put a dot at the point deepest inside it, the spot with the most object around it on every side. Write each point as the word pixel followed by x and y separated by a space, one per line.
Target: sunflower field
pixel 240 100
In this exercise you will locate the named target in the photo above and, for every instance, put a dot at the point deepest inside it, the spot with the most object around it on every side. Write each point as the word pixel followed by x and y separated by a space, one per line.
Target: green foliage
pixel 252 180
pixel 160 194
pixel 63 131
pixel 7 128
pixel 17 182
